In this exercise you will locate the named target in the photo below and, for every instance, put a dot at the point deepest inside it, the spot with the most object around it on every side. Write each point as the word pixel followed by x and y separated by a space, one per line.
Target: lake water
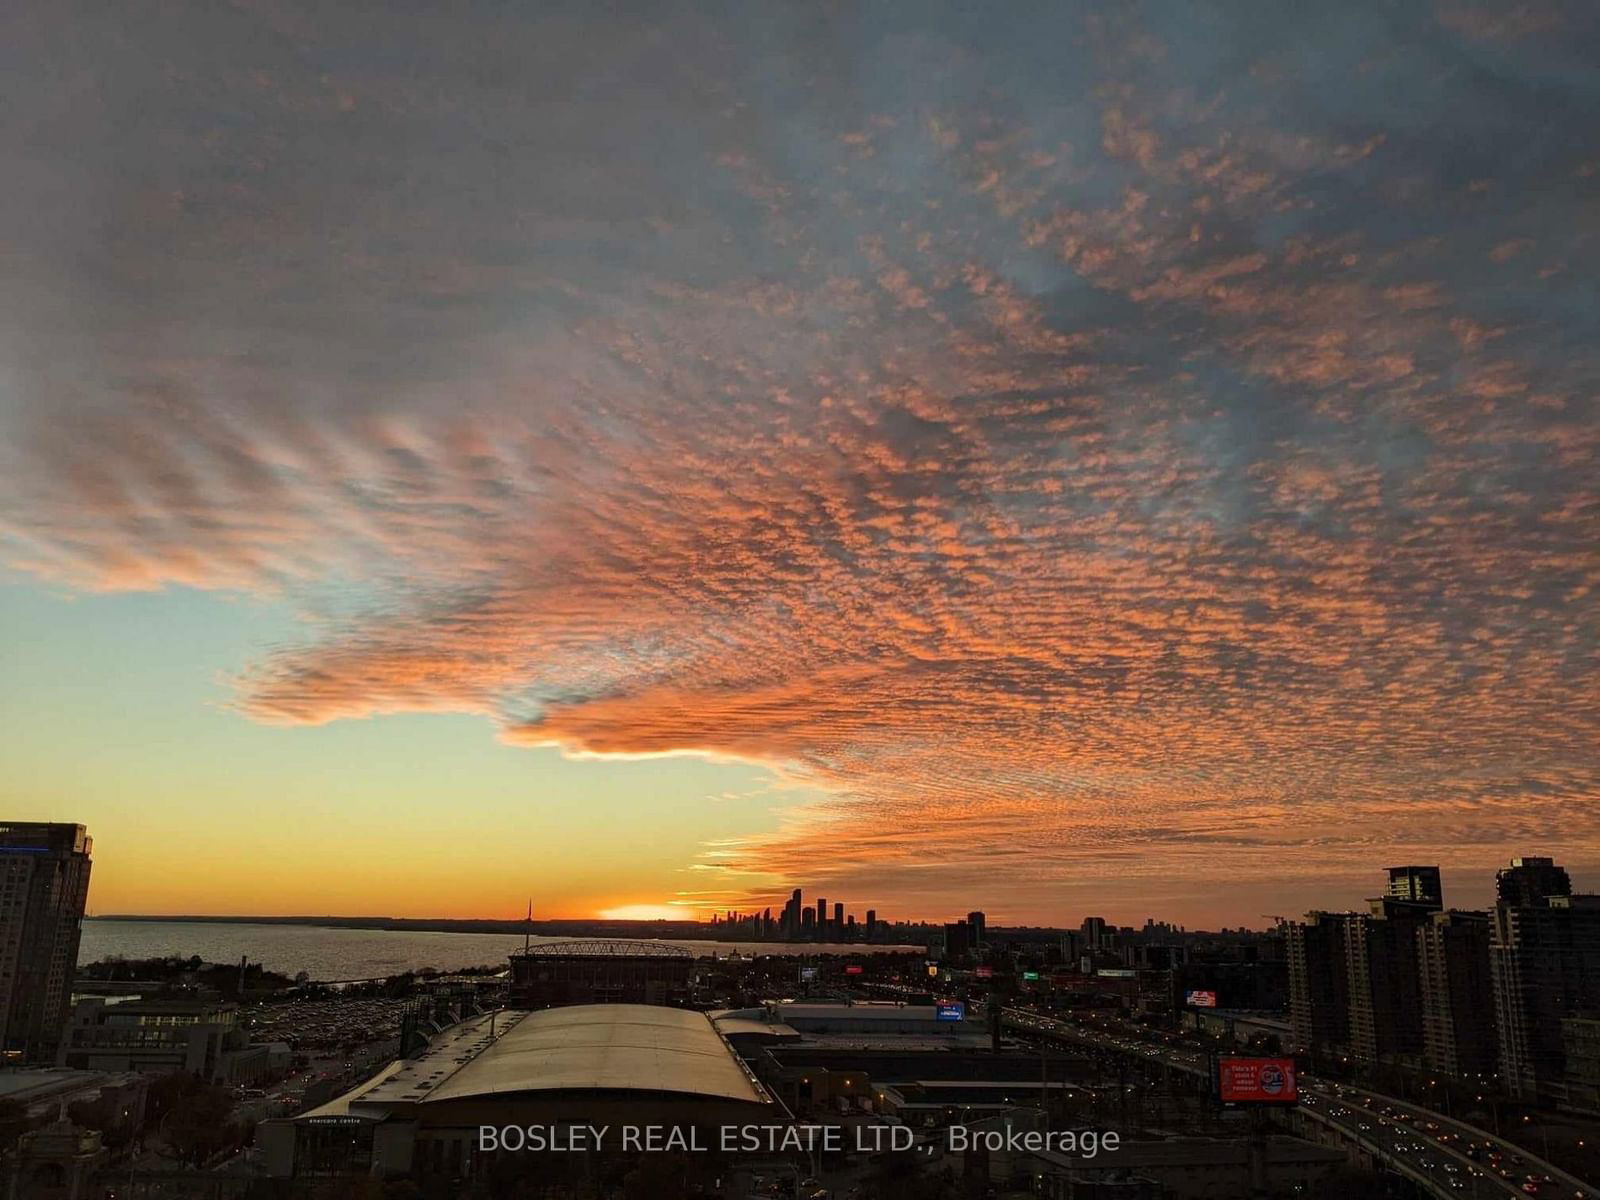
pixel 330 953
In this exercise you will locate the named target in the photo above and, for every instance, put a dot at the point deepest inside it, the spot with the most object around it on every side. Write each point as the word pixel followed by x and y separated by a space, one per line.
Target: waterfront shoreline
pixel 345 952
pixel 693 931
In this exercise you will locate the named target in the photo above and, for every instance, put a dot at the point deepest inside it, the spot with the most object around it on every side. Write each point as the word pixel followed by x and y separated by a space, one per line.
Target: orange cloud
pixel 1163 477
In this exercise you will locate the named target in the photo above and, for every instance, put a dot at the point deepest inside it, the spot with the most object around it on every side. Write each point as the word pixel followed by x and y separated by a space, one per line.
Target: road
pixel 1453 1158
pixel 1465 1144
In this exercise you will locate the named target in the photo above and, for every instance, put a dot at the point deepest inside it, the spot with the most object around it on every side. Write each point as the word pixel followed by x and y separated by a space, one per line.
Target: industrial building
pixel 871 1018
pixel 814 1075
pixel 588 1065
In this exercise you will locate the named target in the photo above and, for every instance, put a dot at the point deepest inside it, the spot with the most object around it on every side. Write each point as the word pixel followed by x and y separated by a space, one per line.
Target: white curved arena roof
pixel 604 1047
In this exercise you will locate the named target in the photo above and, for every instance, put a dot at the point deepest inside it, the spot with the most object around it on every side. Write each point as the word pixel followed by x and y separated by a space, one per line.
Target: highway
pixel 1448 1157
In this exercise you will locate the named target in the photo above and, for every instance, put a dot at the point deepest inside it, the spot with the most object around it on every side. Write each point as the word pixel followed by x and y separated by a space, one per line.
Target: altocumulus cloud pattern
pixel 1156 439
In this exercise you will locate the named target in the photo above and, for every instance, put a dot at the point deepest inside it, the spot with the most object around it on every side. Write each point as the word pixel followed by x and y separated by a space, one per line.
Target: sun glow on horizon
pixel 649 912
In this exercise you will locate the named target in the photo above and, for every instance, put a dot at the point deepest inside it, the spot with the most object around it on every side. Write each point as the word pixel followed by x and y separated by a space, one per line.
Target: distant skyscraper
pixel 957 940
pixel 979 932
pixel 872 923
pixel 838 918
pixel 1531 881
pixel 822 916
pixel 1420 885
pixel 1094 933
pixel 44 886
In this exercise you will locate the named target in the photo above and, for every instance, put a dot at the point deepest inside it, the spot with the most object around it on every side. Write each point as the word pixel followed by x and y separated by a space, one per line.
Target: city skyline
pixel 1088 462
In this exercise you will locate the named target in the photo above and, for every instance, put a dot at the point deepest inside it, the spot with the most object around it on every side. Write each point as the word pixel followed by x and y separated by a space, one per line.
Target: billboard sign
pixel 1200 999
pixel 950 1010
pixel 1117 973
pixel 853 969
pixel 807 974
pixel 1257 1081
pixel 984 972
pixel 1030 976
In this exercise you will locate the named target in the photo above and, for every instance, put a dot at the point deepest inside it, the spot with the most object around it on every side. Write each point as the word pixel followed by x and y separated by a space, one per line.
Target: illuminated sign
pixel 1117 973
pixel 1257 1081
pixel 950 1010
pixel 1200 999
pixel 852 970
pixel 933 971
pixel 1030 975
pixel 984 972
pixel 808 973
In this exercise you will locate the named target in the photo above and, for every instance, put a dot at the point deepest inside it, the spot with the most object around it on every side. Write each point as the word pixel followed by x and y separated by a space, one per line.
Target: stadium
pixel 589 1065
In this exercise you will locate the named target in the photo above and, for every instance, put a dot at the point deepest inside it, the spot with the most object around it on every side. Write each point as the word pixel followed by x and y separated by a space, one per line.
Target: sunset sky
pixel 1129 458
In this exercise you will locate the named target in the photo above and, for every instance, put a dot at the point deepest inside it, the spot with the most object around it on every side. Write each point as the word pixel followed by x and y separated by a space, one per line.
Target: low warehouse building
pixel 614 1065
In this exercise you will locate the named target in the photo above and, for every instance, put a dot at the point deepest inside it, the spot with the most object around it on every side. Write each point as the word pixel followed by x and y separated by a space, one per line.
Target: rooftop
pixel 739 1026
pixel 870 1010
pixel 34 1085
pixel 894 1043
pixel 412 1079
pixel 339 1106
pixel 175 1006
pixel 582 1048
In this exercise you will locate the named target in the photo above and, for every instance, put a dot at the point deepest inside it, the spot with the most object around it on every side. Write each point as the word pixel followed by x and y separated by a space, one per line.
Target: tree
pixel 194 1117
pixel 106 1117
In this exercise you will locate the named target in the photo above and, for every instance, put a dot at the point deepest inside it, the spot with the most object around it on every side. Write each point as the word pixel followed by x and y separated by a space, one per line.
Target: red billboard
pixel 1200 999
pixel 852 970
pixel 1257 1081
